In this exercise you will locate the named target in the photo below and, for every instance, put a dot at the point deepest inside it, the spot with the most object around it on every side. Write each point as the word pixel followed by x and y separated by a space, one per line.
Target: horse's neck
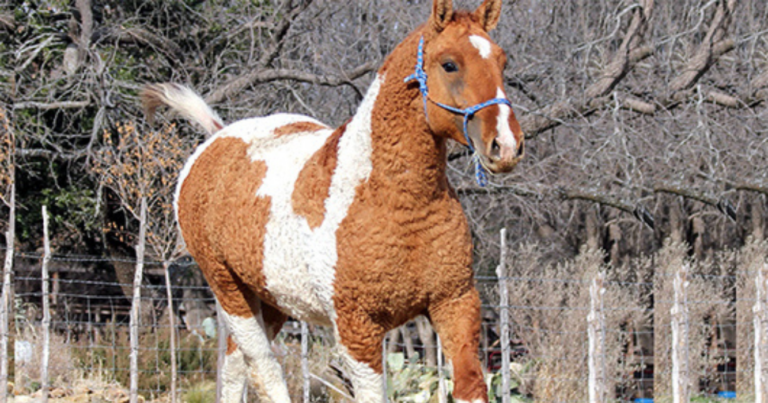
pixel 405 159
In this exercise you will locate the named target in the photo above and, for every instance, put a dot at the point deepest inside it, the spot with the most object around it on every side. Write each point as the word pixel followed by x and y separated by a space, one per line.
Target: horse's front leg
pixel 359 341
pixel 457 322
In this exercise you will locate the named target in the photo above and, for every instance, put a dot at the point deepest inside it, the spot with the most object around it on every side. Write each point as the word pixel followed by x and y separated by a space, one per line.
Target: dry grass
pixel 550 304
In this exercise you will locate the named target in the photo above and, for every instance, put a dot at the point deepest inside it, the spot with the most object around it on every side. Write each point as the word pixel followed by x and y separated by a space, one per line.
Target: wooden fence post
pixel 5 298
pixel 680 362
pixel 136 303
pixel 501 273
pixel 384 357
pixel 172 332
pixel 46 310
pixel 760 322
pixel 221 332
pixel 442 390
pixel 596 333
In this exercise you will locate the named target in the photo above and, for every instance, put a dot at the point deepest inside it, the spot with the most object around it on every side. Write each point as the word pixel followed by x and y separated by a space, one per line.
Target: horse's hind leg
pixel 252 326
pixel 235 371
pixel 233 374
pixel 457 322
pixel 253 336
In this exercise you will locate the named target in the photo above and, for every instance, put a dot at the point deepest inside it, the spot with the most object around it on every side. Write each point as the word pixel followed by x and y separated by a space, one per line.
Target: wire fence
pixel 577 331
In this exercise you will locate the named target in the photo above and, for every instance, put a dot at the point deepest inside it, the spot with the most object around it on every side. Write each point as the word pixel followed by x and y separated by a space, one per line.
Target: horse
pixel 354 227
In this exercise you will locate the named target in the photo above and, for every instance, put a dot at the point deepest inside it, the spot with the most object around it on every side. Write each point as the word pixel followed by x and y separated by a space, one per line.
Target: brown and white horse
pixel 355 227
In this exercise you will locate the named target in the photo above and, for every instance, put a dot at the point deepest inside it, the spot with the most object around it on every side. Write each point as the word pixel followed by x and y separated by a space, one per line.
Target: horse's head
pixel 465 84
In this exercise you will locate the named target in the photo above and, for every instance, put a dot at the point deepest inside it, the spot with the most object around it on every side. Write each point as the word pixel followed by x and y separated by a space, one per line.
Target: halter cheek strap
pixel 421 77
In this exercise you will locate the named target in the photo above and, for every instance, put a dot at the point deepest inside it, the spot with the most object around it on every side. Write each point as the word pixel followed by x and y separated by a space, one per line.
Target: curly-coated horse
pixel 357 227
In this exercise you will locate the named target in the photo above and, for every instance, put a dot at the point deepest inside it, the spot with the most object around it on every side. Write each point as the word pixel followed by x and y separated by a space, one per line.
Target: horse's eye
pixel 450 67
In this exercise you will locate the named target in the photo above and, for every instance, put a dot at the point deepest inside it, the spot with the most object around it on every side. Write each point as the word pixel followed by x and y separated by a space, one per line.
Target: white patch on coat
pixel 353 166
pixel 246 130
pixel 251 337
pixel 233 377
pixel 482 44
pixel 504 135
pixel 286 258
pixel 368 385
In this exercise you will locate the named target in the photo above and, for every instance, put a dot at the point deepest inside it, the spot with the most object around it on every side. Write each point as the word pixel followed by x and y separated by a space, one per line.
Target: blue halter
pixel 421 77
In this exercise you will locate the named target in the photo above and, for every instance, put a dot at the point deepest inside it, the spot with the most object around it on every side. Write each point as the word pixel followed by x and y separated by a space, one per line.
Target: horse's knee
pixel 360 346
pixel 367 379
pixel 457 322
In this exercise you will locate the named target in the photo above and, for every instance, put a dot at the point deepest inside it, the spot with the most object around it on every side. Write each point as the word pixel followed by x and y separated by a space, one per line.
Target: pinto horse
pixel 356 227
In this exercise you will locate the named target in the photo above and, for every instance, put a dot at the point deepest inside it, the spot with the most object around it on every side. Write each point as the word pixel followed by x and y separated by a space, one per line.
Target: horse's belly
pixel 291 278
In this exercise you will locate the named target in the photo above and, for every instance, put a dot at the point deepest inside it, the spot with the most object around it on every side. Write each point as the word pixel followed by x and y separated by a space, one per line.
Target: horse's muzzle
pixel 503 157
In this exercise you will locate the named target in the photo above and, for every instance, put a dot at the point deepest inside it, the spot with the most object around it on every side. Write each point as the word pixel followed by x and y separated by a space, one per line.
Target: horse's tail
pixel 184 101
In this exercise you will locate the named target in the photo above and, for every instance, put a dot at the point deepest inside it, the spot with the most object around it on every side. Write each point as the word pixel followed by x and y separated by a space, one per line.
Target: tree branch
pixel 142 36
pixel 237 84
pixel 263 76
pixel 712 47
pixel 638 211
pixel 753 187
pixel 626 57
pixel 7 21
pixel 86 27
pixel 48 154
pixel 497 190
pixel 52 105
pixel 723 204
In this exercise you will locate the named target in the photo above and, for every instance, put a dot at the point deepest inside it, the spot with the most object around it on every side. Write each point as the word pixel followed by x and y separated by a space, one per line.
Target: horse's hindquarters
pixel 234 210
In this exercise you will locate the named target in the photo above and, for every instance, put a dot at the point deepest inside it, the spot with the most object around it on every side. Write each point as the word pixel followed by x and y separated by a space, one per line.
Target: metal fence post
pixel 501 273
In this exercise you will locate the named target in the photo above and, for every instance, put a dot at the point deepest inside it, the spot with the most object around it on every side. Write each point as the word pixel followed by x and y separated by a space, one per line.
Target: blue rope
pixel 421 77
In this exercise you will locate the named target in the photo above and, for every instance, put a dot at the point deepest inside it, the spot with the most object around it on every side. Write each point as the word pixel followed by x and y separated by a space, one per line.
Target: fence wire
pixel 548 348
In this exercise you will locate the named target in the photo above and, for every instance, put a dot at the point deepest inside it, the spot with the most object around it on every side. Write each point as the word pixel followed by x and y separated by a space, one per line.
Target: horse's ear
pixel 442 12
pixel 488 14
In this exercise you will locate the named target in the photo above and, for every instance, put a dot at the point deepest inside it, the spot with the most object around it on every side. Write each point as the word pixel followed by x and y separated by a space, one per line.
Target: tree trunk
pixel 136 302
pixel 5 300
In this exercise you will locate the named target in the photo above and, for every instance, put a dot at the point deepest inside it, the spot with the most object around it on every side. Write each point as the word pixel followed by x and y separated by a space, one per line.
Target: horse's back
pixel 234 207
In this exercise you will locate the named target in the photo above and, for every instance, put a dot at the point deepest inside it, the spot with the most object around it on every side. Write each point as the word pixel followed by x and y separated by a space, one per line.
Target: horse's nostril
pixel 521 150
pixel 495 147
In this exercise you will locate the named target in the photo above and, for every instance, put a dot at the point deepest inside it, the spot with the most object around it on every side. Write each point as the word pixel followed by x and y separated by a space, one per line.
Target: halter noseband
pixel 421 77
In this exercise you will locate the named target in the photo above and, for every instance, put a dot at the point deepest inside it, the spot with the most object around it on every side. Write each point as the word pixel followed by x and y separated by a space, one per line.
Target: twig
pixel 52 105
pixel 263 76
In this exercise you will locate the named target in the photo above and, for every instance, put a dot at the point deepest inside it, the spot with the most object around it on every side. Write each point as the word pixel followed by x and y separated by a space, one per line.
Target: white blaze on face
pixel 504 135
pixel 482 44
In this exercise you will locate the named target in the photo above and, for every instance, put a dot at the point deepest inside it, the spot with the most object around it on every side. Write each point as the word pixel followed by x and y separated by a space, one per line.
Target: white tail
pixel 184 101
